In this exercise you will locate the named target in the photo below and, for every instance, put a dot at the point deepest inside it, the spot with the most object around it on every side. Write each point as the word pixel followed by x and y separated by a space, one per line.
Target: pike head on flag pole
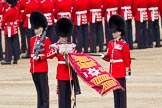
pixel 92 73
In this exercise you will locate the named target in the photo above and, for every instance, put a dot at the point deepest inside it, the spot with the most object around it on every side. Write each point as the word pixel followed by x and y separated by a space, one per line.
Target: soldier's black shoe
pixel 25 56
pixel 5 62
pixel 15 62
pixel 157 46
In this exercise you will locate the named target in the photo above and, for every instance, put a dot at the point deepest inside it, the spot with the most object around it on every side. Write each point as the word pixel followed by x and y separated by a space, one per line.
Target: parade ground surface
pixel 144 88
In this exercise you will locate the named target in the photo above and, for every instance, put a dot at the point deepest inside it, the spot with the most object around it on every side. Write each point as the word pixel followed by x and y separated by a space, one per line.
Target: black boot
pixel 5 62
pixel 26 56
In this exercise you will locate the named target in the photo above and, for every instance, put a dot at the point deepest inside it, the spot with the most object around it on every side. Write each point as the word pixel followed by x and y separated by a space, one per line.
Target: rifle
pixel 38 46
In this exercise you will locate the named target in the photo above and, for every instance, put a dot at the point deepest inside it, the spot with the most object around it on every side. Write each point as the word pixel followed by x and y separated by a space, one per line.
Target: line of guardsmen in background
pixel 88 16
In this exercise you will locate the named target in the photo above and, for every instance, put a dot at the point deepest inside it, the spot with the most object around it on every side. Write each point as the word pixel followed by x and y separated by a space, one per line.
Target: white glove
pixel 36 58
pixel 102 55
pixel 128 76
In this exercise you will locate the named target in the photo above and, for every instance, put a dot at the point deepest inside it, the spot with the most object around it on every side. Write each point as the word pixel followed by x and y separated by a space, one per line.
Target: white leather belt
pixel 64 13
pixel 81 12
pixel 111 9
pixel 61 62
pixel 142 9
pixel 153 8
pixel 116 61
pixel 95 10
pixel 47 14
pixel 126 7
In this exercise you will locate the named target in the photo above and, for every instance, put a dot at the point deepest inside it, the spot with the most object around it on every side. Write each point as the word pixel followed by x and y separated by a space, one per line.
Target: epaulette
pixel 123 41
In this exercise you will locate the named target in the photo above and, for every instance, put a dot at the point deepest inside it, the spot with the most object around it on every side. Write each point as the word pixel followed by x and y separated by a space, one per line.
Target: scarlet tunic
pixel 39 65
pixel 110 7
pixel 119 56
pixel 140 10
pixel 125 9
pixel 1 8
pixel 160 8
pixel 30 6
pixel 80 12
pixel 47 8
pixel 63 70
pixel 10 21
pixel 153 10
pixel 63 9
pixel 20 5
pixel 95 10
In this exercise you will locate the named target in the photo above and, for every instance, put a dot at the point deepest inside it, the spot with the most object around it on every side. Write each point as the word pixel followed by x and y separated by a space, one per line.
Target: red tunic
pixel 63 70
pixel 153 10
pixel 119 56
pixel 63 8
pixel 30 6
pixel 47 8
pixel 40 65
pixel 160 8
pixel 110 7
pixel 95 10
pixel 10 21
pixel 21 6
pixel 80 12
pixel 125 9
pixel 140 10
pixel 1 8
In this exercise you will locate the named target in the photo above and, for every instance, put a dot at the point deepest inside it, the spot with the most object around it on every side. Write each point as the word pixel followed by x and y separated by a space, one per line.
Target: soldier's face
pixel 38 31
pixel 116 35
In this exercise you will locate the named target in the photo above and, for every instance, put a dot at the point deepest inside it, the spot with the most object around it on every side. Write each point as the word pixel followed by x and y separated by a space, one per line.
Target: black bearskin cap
pixel 12 2
pixel 117 23
pixel 37 19
pixel 64 27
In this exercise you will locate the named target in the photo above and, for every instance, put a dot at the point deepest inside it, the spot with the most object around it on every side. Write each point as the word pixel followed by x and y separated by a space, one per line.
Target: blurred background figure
pixel 96 27
pixel 125 10
pixel 153 23
pixel 29 7
pixel 80 19
pixel 63 9
pixel 140 16
pixel 47 8
pixel 110 7
pixel 10 26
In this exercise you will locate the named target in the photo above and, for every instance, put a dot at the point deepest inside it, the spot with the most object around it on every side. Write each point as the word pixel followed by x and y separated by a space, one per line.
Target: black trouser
pixel 141 34
pixel 41 84
pixel 29 33
pixel 1 49
pixel 64 94
pixel 81 35
pixel 96 36
pixel 128 35
pixel 153 32
pixel 108 34
pixel 120 100
pixel 12 47
pixel 23 37
pixel 51 34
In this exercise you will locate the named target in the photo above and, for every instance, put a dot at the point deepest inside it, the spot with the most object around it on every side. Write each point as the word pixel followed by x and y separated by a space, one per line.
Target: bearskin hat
pixel 12 2
pixel 117 23
pixel 37 19
pixel 64 27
